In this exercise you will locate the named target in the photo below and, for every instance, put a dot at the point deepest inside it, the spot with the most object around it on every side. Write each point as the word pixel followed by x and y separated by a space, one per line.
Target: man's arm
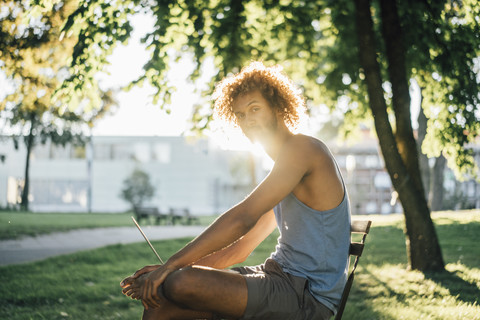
pixel 229 256
pixel 240 250
pixel 290 167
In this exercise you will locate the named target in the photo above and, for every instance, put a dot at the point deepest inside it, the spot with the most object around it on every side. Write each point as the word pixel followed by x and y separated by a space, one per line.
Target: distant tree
pixel 137 188
pixel 35 60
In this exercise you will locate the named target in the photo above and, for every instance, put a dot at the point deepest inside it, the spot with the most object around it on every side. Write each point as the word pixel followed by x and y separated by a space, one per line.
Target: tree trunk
pixel 423 159
pixel 426 245
pixel 423 250
pixel 29 143
pixel 436 196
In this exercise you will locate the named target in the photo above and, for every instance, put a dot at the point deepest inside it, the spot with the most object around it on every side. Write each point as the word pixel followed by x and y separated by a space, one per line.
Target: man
pixel 303 195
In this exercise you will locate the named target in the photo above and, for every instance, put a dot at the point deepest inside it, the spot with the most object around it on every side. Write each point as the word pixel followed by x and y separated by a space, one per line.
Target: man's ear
pixel 280 112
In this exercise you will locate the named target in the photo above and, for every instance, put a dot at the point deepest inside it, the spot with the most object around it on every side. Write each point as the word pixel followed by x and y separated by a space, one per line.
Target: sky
pixel 136 115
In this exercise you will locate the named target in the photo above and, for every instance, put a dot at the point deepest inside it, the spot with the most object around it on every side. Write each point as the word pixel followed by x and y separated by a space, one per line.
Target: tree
pixel 399 149
pixel 360 53
pixel 137 188
pixel 35 60
pixel 462 87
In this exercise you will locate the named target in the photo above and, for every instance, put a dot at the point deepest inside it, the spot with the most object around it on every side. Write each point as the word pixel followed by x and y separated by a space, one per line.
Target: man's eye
pixel 240 116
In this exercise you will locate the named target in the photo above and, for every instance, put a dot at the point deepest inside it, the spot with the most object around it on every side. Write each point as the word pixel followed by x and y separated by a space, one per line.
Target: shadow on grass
pixel 359 304
pixel 458 287
pixel 456 241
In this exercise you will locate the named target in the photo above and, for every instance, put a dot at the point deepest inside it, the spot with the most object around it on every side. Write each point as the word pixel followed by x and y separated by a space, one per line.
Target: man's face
pixel 255 116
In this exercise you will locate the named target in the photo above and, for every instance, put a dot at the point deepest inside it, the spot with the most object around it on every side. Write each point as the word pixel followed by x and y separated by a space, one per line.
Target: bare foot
pixel 133 287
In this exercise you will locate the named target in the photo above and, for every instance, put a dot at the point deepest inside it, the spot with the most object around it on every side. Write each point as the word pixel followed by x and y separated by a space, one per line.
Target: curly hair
pixel 276 87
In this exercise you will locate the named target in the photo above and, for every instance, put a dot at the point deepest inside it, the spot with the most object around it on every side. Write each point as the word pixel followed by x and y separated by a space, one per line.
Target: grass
pixel 384 289
pixel 14 224
pixel 85 285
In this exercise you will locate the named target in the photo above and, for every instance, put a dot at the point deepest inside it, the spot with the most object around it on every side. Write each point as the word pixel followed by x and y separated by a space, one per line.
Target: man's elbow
pixel 242 258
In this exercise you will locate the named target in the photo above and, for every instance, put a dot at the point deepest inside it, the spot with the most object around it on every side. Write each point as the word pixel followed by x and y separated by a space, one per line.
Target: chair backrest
pixel 356 249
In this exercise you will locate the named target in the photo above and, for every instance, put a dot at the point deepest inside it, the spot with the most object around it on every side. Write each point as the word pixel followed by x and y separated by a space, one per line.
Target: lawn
pixel 14 224
pixel 85 285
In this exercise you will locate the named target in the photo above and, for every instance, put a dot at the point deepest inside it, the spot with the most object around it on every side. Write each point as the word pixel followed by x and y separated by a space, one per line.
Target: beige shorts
pixel 274 294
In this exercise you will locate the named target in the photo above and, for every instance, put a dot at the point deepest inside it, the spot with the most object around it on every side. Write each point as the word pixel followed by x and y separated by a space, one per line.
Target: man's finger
pixel 135 296
pixel 129 293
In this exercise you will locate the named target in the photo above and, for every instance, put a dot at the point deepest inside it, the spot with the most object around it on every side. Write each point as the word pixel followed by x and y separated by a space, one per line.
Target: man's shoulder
pixel 307 144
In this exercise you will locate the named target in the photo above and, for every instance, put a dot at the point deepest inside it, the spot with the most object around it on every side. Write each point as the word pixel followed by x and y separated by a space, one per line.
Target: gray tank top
pixel 315 245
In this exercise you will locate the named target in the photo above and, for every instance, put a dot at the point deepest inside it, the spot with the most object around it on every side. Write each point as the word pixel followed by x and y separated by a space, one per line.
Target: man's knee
pixel 179 287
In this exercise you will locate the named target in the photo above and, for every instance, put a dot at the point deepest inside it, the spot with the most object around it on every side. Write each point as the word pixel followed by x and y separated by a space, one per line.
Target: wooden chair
pixel 356 249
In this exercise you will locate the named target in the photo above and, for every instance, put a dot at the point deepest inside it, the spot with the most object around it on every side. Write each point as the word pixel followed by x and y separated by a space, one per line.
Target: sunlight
pixel 228 137
pixel 232 138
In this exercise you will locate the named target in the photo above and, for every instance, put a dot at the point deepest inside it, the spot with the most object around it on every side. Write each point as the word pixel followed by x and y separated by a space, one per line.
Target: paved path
pixel 29 249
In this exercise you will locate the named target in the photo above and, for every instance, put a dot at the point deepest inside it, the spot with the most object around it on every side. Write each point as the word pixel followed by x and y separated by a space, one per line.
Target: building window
pixel 382 181
pixel 121 152
pixel 102 151
pixel 142 152
pixel 351 163
pixel 371 161
pixel 386 208
pixel 371 207
pixel 14 190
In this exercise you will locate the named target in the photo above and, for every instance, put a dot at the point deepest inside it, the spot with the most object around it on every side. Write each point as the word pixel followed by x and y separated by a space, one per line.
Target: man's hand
pixel 151 283
pixel 143 284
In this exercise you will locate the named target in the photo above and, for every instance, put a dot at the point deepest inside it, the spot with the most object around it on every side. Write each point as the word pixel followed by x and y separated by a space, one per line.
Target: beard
pixel 262 133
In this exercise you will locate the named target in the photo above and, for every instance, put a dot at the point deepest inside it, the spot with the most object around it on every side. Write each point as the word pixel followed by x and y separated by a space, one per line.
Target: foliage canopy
pixel 35 59
pixel 314 41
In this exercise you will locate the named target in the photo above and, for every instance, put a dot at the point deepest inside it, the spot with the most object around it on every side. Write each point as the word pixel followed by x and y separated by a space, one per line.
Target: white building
pixel 186 173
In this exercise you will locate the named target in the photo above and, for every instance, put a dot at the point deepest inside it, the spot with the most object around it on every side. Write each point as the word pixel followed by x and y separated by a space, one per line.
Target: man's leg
pixel 198 292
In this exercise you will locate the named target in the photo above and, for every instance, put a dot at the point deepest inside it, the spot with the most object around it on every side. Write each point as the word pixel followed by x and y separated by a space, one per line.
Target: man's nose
pixel 251 120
